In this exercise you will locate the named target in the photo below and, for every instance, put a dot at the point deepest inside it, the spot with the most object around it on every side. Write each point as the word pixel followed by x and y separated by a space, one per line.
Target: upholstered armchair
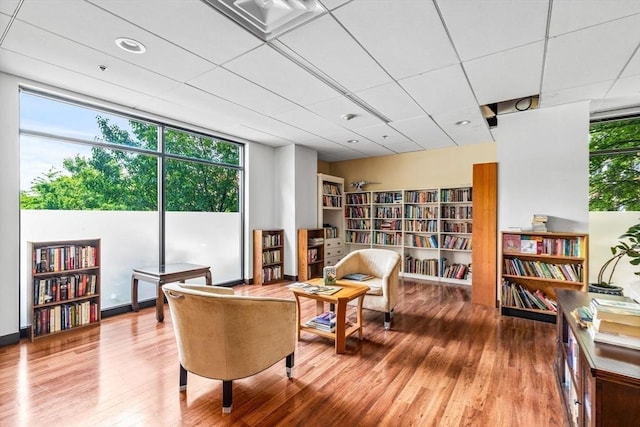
pixel 384 266
pixel 227 337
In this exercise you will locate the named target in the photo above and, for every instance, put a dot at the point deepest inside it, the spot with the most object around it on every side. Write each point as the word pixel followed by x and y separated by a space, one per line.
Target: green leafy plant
pixel 629 247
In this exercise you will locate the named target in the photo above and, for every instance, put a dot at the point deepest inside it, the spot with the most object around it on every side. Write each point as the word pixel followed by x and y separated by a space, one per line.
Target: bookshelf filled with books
pixel 331 216
pixel 429 227
pixel 310 253
pixel 534 264
pixel 268 256
pixel 65 286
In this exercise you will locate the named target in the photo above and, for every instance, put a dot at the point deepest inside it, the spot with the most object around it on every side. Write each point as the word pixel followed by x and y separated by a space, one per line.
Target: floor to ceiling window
pixel 152 193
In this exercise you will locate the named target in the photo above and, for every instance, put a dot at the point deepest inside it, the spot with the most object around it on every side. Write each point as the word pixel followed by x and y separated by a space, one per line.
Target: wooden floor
pixel 445 362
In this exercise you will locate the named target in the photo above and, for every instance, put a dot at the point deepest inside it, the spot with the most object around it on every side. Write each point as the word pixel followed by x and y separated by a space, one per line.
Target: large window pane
pixel 203 147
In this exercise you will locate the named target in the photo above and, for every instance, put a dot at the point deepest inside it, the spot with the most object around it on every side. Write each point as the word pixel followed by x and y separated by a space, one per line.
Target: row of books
pixel 358 224
pixel 312 255
pixel 331 189
pixel 420 212
pixel 388 224
pixel 456 242
pixel 332 201
pixel 456 195
pixel 456 227
pixel 358 199
pixel 421 225
pixel 63 288
pixel 456 212
pixel 357 212
pixel 516 295
pixel 272 273
pixel 538 245
pixel 387 197
pixel 387 212
pixel 428 266
pixel 382 238
pixel 360 237
pixel 331 232
pixel 566 272
pixel 427 196
pixel 63 258
pixel 615 322
pixel 271 257
pixel 456 271
pixel 421 241
pixel 64 316
pixel 271 240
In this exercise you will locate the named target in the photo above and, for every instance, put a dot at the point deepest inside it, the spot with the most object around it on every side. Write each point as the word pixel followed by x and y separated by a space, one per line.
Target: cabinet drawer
pixel 333 252
pixel 333 260
pixel 333 243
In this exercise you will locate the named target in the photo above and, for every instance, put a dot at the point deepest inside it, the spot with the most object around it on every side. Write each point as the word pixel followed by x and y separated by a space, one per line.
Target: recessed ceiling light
pixel 463 122
pixel 352 141
pixel 130 45
pixel 348 116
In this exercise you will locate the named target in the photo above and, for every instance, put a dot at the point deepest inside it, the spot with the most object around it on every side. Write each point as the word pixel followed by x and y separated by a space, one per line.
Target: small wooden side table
pixel 349 292
pixel 168 273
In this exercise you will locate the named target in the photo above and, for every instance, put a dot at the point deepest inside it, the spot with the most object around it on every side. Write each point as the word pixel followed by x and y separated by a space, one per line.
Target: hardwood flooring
pixel 445 362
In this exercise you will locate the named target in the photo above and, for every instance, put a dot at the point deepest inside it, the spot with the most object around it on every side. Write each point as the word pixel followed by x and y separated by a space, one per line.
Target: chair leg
pixel 387 320
pixel 183 379
pixel 227 398
pixel 290 362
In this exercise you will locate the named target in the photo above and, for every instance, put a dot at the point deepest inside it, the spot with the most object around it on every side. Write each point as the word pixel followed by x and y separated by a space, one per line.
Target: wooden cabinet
pixel 599 383
pixel 331 216
pixel 64 286
pixel 268 256
pixel 538 264
pixel 310 253
pixel 484 256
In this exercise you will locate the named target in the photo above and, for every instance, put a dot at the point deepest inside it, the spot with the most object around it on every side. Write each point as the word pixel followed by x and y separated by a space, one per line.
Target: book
pixel 528 245
pixel 616 328
pixel 329 275
pixel 327 318
pixel 360 277
pixel 614 339
pixel 613 306
pixel 511 243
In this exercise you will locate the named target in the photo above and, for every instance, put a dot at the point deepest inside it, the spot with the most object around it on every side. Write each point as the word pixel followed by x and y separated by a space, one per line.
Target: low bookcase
pixel 64 286
pixel 534 265
pixel 268 256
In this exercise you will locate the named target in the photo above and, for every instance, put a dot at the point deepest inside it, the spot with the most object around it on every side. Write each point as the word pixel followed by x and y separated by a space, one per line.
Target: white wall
pixel 9 210
pixel 543 159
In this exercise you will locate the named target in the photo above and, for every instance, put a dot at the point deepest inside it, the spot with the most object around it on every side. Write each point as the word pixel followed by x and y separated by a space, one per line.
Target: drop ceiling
pixel 408 69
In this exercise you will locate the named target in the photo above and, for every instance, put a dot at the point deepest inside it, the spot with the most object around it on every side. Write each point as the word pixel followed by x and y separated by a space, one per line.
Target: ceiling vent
pixel 268 18
pixel 491 111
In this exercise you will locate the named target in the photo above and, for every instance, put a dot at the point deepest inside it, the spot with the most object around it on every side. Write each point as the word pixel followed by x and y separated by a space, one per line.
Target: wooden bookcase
pixel 64 286
pixel 310 253
pixel 541 261
pixel 268 256
pixel 599 383
pixel 429 227
pixel 331 216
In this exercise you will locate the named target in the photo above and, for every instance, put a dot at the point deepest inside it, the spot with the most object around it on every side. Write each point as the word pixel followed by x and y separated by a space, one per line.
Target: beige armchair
pixel 226 337
pixel 384 265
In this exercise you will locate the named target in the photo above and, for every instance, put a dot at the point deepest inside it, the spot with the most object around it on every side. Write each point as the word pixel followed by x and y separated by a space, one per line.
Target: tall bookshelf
pixel 310 253
pixel 534 265
pixel 268 256
pixel 429 227
pixel 331 216
pixel 64 286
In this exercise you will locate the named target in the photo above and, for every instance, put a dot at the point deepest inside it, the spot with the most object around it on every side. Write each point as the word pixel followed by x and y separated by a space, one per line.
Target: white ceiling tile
pixel 590 55
pixel 332 4
pixel 391 100
pixel 267 68
pixel 36 43
pixel 91 26
pixel 476 132
pixel 480 28
pixel 334 109
pixel 383 134
pixel 633 67
pixel 201 29
pixel 8 7
pixel 571 15
pixel 316 125
pixel 574 94
pixel 392 31
pixel 229 86
pixel 440 91
pixel 506 75
pixel 424 132
pixel 407 147
pixel 626 87
pixel 4 22
pixel 371 149
pixel 324 43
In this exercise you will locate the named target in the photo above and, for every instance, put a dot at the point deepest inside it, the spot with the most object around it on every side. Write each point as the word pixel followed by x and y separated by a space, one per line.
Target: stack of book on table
pixel 616 322
pixel 324 322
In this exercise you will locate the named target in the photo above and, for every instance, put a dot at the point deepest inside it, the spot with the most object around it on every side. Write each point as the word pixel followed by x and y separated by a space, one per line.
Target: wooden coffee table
pixel 349 292
pixel 168 273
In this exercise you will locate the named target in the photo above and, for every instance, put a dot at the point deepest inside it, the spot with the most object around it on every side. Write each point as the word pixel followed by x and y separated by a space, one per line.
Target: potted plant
pixel 630 248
